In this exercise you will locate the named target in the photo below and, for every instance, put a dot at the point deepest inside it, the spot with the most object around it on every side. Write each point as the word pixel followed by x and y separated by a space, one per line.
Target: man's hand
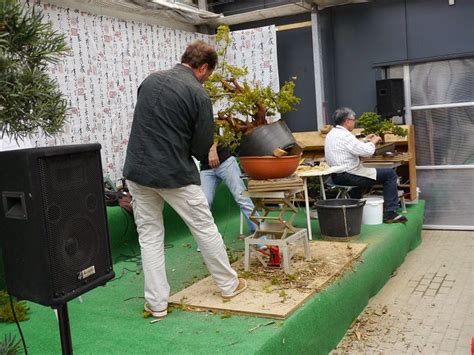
pixel 374 138
pixel 213 157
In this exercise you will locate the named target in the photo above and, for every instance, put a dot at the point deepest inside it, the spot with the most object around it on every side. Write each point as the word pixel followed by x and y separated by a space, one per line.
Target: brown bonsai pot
pixel 269 167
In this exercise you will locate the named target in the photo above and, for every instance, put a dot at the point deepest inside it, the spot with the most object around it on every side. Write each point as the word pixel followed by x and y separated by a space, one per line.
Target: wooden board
pixel 270 293
pixel 275 184
pixel 314 149
pixel 399 157
pixel 310 140
pixel 305 169
pixel 314 140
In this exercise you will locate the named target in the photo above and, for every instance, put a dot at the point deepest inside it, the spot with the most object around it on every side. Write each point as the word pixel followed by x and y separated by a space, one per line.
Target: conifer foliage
pixel 248 104
pixel 29 98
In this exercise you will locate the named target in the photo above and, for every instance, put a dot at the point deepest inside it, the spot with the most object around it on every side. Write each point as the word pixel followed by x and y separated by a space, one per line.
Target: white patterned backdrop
pixel 256 50
pixel 110 58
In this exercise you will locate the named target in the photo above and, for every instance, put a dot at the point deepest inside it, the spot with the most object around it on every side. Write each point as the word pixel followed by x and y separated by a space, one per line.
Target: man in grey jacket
pixel 172 122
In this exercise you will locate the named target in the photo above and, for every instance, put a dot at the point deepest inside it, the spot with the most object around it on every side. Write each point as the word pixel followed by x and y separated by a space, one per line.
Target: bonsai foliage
pixel 248 105
pixel 6 314
pixel 374 124
pixel 29 98
pixel 10 346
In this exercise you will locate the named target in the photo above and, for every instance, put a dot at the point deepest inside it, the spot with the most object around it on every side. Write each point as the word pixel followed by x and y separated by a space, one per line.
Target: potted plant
pixel 29 98
pixel 243 119
pixel 372 123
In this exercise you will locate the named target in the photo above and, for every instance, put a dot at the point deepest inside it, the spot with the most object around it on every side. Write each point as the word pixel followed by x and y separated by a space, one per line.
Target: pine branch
pixel 29 98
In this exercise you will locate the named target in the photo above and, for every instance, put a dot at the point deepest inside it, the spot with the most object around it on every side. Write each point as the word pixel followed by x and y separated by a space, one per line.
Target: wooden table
pixel 312 173
pixel 380 164
pixel 405 163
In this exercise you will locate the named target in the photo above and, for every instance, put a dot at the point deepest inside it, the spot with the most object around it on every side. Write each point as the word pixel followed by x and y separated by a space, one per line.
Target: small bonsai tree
pixel 29 98
pixel 372 123
pixel 247 105
pixel 6 314
pixel 10 345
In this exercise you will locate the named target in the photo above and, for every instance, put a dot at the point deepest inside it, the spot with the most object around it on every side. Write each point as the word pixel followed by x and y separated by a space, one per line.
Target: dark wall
pixel 436 29
pixel 295 58
pixel 385 31
pixel 362 35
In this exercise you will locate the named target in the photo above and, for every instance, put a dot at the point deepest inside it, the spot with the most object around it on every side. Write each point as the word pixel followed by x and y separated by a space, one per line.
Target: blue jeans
pixel 385 176
pixel 229 172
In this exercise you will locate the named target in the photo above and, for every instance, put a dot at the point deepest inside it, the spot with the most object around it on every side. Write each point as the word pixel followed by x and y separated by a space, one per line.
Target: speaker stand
pixel 64 329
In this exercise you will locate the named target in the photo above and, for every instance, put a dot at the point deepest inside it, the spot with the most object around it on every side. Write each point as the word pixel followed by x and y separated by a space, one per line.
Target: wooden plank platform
pixel 270 292
pixel 291 182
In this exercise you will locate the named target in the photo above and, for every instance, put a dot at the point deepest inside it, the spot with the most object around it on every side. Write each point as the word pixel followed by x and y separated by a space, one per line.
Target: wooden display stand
pixel 313 148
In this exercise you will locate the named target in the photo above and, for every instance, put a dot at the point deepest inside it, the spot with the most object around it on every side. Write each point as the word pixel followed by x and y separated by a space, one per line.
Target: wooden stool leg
pixel 401 196
pixel 247 256
pixel 241 230
pixel 404 206
pixel 286 259
pixel 307 253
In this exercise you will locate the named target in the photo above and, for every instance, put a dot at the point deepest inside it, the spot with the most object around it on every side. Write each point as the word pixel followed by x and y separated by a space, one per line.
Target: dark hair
pixel 199 53
pixel 342 114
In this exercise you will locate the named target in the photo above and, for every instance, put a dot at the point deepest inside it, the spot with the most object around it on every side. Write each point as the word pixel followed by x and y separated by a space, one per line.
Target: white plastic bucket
pixel 373 211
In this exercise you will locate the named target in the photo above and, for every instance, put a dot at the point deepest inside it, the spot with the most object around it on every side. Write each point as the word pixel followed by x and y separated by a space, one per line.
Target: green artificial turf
pixel 109 320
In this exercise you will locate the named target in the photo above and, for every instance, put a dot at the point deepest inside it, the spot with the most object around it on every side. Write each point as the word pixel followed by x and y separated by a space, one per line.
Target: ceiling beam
pixel 258 15
pixel 124 10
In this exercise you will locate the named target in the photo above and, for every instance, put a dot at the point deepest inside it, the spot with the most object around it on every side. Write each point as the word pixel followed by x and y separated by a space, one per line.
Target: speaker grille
pixel 390 97
pixel 75 223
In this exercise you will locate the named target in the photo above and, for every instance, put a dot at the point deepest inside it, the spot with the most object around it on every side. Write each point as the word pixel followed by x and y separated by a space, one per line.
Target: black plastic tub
pixel 263 140
pixel 340 218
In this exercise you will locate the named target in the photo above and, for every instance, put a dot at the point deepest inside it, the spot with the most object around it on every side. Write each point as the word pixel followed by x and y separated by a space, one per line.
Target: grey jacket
pixel 172 121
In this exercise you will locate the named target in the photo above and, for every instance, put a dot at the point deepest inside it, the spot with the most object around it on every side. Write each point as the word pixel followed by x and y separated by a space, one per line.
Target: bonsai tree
pixel 247 105
pixel 6 314
pixel 10 345
pixel 372 123
pixel 29 98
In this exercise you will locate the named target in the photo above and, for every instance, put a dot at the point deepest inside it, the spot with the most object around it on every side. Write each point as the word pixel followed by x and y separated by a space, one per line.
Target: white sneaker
pixel 241 287
pixel 156 314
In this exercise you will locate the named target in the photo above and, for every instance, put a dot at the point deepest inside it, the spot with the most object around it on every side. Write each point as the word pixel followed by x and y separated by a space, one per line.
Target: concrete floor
pixel 426 307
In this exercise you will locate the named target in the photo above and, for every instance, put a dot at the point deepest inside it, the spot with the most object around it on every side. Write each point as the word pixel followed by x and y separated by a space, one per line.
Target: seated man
pixel 343 149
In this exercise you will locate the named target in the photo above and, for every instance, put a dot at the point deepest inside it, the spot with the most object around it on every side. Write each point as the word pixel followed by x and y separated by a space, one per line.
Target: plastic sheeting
pixel 445 140
pixel 444 136
pixel 449 195
pixel 442 82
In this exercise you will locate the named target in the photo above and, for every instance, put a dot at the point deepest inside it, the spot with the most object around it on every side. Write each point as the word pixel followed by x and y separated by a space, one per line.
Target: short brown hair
pixel 199 53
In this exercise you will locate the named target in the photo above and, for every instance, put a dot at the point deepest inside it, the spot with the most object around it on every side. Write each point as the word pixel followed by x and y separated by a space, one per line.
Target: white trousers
pixel 191 205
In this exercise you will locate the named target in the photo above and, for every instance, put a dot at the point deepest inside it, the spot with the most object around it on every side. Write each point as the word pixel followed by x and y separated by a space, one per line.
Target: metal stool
pixel 343 190
pixel 401 196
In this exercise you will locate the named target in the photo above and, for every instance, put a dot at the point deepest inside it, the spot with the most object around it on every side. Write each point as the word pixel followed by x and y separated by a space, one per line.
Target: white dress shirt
pixel 343 149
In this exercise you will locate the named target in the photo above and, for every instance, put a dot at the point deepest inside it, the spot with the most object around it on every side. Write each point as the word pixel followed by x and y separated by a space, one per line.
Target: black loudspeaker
pixel 390 97
pixel 54 231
